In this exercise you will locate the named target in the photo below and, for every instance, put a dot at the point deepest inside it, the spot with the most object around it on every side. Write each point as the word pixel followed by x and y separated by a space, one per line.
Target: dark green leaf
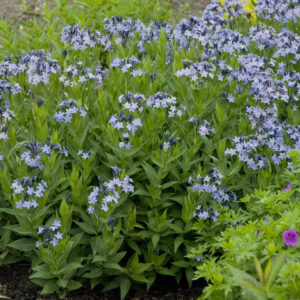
pixel 124 287
pixel 74 285
pixel 86 227
pixel 276 265
pixel 23 244
pixel 19 229
pixel 50 287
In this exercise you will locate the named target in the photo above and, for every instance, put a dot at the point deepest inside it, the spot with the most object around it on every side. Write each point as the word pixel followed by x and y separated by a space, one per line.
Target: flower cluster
pixel 32 157
pixel 269 134
pixel 107 191
pixel 5 116
pixel 280 11
pixel 204 129
pixel 69 109
pixel 125 123
pixel 38 66
pixel 125 64
pixel 198 71
pixel 206 214
pixel 170 141
pixel 163 100
pixel 50 235
pixel 80 39
pixel 203 185
pixel 132 102
pixel 28 188
pixel 75 74
pixel 84 155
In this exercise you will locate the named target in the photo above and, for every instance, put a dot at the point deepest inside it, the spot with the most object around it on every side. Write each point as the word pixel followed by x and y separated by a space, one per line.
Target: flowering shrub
pixel 122 146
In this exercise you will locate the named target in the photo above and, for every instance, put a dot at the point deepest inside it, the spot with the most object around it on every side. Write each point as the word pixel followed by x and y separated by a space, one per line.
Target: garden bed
pixel 15 284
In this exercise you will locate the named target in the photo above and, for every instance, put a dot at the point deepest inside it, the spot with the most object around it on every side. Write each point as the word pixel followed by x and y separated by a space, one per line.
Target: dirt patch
pixel 197 7
pixel 26 9
pixel 190 8
pixel 21 10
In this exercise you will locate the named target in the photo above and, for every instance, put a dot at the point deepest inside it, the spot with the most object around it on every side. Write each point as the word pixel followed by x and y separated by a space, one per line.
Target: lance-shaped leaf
pixel 259 271
pixel 276 265
pixel 248 283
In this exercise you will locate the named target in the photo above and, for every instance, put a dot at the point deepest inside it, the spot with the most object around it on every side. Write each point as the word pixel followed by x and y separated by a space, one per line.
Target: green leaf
pixel 19 229
pixel 189 275
pixel 141 192
pixel 139 278
pixel 74 285
pixel 133 245
pixel 168 184
pixel 42 275
pixel 9 211
pixel 99 258
pixel 259 271
pixel 71 267
pixel 15 149
pixel 151 173
pixel 181 264
pixel 187 212
pixel 176 227
pixel 250 284
pixel 86 227
pixel 219 112
pixel 177 242
pixel 155 239
pixel 142 267
pixel 235 168
pixel 23 244
pixel 93 274
pixel 113 266
pixel 133 263
pixel 115 283
pixel 62 283
pixel 276 266
pixel 267 270
pixel 165 271
pixel 50 287
pixel 124 287
pixel 64 210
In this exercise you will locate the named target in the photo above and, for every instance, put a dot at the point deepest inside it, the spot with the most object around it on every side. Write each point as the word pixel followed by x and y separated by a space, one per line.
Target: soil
pixel 15 9
pixel 194 7
pixel 14 279
pixel 15 284
pixel 20 9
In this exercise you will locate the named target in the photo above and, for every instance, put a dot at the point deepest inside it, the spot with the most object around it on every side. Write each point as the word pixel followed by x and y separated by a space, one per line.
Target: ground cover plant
pixel 132 150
